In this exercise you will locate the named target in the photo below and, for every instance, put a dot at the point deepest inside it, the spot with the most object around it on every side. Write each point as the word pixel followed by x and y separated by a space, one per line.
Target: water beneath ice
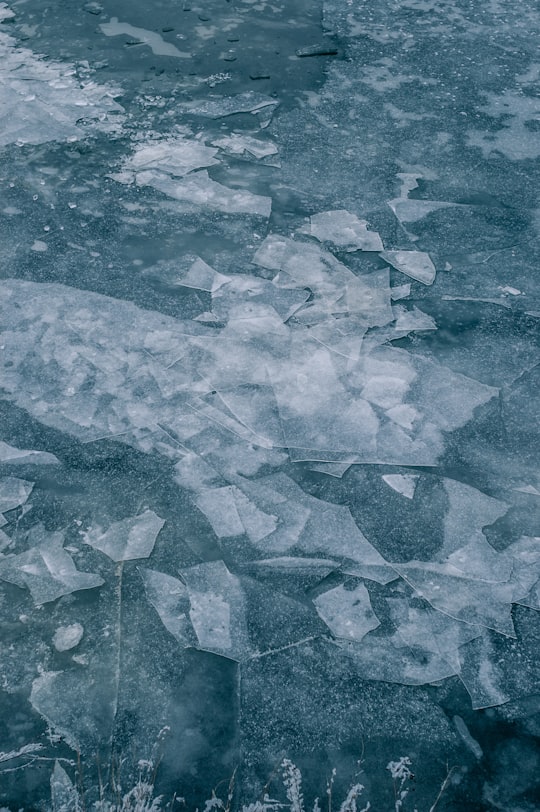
pixel 268 422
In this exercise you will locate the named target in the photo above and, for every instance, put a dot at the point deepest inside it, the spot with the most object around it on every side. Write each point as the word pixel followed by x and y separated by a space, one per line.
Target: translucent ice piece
pixel 347 612
pixel 416 264
pixel 404 484
pixel 174 156
pixel 202 277
pixel 67 637
pixel 127 539
pixel 169 597
pixel 221 106
pixel 469 511
pixel 217 610
pixel 13 492
pixel 46 569
pixel 470 600
pixel 155 41
pixel 345 231
pixel 198 189
pixel 240 144
pixel 64 796
pixel 9 455
pixel 410 211
pixel 481 675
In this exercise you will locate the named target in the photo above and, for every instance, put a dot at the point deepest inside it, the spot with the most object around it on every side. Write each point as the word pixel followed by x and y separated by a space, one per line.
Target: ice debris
pixel 405 484
pixel 221 106
pixel 43 100
pixel 68 637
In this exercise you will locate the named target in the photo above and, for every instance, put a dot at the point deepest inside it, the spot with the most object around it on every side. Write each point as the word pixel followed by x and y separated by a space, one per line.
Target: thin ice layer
pixel 14 492
pixel 9 455
pixel 344 230
pixel 46 569
pixel 347 612
pixel 416 264
pixel 43 100
pixel 127 539
pixel 169 597
pixel 217 610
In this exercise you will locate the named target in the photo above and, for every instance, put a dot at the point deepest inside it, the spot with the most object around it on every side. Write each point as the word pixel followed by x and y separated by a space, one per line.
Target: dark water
pixel 269 475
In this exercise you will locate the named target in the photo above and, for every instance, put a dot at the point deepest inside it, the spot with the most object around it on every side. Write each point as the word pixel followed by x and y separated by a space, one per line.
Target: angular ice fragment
pixel 174 156
pixel 347 612
pixel 198 189
pixel 400 291
pixel 240 144
pixel 402 483
pixel 13 456
pixel 344 230
pixel 221 106
pixel 416 264
pixel 13 492
pixel 231 513
pixel 410 211
pixel 201 277
pixel 64 795
pixel 448 589
pixel 481 675
pixel 46 569
pixel 217 610
pixel 169 597
pixel 67 637
pixel 127 539
pixel 155 41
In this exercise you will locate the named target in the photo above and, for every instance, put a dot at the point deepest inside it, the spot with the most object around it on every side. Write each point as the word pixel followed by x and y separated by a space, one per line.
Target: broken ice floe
pixel 127 539
pixel 43 100
pixel 14 492
pixel 172 156
pixel 198 189
pixel 416 264
pixel 222 106
pixel 345 231
pixel 46 569
pixel 170 599
pixel 245 146
pixel 347 612
pixel 9 455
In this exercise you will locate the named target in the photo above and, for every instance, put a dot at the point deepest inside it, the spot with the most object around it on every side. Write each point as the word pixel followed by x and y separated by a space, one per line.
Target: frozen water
pixel 127 539
pixel 169 597
pixel 416 264
pixel 43 100
pixel 402 483
pixel 347 612
pixel 68 637
pixel 198 189
pixel 13 492
pixel 46 569
pixel 276 474
pixel 9 455
pixel 345 231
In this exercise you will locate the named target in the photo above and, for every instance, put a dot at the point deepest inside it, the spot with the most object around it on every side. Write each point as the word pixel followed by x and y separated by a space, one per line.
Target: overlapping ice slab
pixel 323 392
pixel 127 539
pixel 43 100
pixel 46 569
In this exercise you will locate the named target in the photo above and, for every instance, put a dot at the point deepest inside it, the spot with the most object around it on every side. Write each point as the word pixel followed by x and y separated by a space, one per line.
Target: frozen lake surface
pixel 269 426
